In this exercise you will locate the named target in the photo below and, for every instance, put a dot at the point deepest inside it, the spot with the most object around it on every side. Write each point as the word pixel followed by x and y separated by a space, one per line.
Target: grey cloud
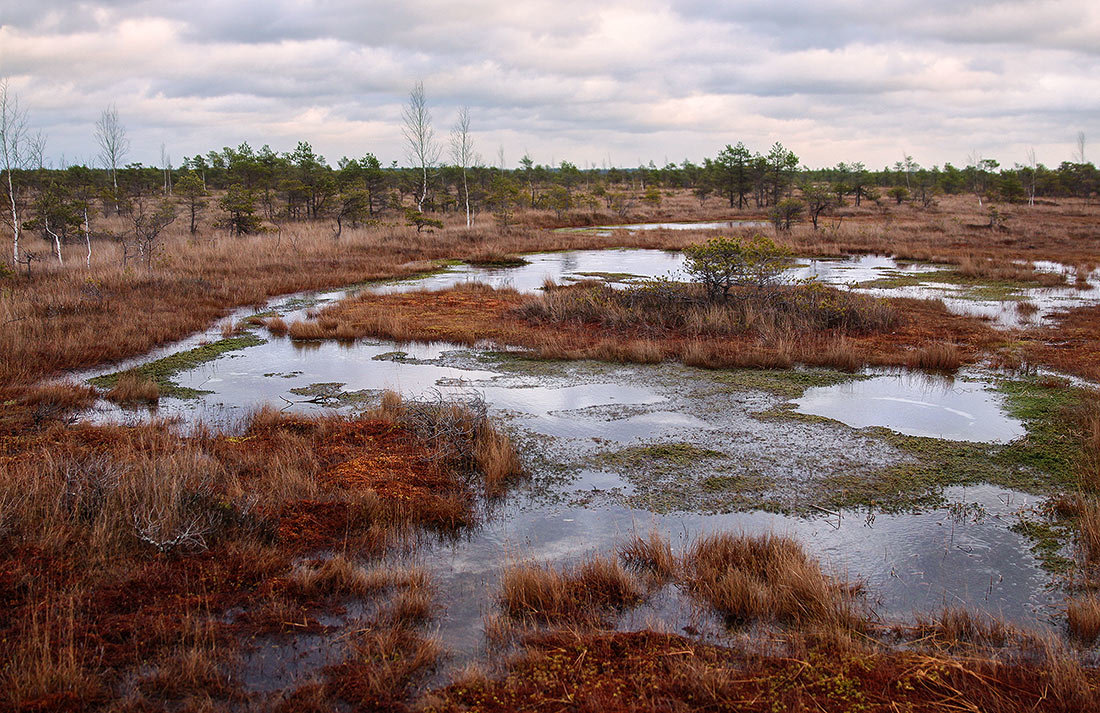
pixel 633 79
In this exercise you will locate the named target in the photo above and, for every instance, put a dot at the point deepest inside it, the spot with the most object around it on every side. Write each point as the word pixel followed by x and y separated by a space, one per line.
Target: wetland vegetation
pixel 601 480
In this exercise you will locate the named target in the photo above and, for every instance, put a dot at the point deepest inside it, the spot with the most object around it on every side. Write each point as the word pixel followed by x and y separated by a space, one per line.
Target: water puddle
pixel 916 405
pixel 615 450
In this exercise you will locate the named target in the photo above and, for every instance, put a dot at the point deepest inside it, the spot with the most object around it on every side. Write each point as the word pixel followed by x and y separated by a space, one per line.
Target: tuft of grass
pixel 277 326
pixel 1083 618
pixel 652 554
pixel 579 595
pixel 495 258
pixel 385 664
pixel 956 628
pixel 133 387
pixel 766 578
pixel 938 357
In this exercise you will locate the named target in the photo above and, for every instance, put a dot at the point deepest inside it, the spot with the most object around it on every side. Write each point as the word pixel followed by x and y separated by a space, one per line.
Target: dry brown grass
pixel 133 388
pixel 276 326
pixel 955 628
pixel 1083 618
pixel 385 664
pixel 766 578
pixel 583 594
pixel 942 357
pixel 63 318
pixel 652 554
pixel 1000 270
pixel 338 576
pixel 1089 531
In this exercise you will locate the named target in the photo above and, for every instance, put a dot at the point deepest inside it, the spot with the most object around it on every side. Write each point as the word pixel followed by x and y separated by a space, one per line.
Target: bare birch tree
pixel 113 143
pixel 1033 165
pixel 166 169
pixel 462 151
pixel 423 152
pixel 13 132
pixel 37 159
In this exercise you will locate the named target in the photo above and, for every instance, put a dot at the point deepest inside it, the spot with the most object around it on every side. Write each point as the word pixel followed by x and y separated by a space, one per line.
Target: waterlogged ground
pixel 915 485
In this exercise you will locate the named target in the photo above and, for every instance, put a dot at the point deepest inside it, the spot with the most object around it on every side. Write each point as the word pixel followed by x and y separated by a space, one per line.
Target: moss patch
pixel 659 456
pixel 161 371
pixel 1041 462
pixel 608 276
pixel 501 261
pixel 1049 541
pixel 790 383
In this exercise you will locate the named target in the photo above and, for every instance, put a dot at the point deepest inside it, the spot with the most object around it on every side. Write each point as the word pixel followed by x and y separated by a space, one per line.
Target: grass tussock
pixel 999 270
pixel 489 257
pixel 134 388
pixel 277 326
pixel 685 310
pixel 1083 618
pixel 385 664
pixel 578 595
pixel 956 628
pixel 766 578
pixel 941 357
pixel 652 554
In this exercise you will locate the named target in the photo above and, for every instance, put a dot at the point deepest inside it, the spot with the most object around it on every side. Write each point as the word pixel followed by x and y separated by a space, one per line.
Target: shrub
pixel 721 263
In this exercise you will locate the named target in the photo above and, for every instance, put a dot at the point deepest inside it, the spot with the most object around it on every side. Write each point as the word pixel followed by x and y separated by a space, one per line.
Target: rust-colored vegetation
pixel 814 325
pixel 127 545
pixel 647 671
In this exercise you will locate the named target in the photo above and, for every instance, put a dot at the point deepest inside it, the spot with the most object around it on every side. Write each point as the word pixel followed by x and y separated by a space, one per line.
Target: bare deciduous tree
pixel 1079 154
pixel 462 151
pixel 13 131
pixel 420 137
pixel 166 168
pixel 1034 166
pixel 113 143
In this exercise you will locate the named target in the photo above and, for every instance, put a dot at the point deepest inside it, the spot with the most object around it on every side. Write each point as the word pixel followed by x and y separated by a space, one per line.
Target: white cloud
pixel 836 80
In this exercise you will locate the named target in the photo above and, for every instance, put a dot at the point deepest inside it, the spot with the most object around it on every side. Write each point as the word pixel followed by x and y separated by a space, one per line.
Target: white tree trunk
pixel 14 221
pixel 466 190
pixel 87 238
pixel 56 240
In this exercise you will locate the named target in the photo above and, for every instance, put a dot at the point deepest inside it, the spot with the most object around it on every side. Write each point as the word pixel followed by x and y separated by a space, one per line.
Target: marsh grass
pixel 685 309
pixel 942 357
pixel 580 595
pixel 133 388
pixel 767 578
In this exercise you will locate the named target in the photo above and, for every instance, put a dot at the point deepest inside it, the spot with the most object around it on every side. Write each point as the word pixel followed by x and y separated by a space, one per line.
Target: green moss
pixel 745 483
pixel 1049 540
pixel 1053 442
pixel 660 456
pixel 502 261
pixel 609 276
pixel 790 383
pixel 331 393
pixel 976 288
pixel 161 371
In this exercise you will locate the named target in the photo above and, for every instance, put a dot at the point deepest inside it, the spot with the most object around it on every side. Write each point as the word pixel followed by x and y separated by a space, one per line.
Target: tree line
pixel 250 188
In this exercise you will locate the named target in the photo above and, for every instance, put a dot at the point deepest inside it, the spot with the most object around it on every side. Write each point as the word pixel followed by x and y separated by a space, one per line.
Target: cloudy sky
pixel 596 83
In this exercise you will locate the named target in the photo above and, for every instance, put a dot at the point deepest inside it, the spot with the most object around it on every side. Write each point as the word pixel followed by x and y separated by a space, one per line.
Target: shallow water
pixel 574 421
pixel 916 405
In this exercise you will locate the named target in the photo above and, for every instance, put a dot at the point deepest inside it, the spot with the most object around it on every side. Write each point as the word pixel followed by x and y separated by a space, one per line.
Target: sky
pixel 596 83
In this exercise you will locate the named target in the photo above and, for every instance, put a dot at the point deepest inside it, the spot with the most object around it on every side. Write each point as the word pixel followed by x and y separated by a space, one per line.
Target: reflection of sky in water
pixel 910 561
pixel 917 405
